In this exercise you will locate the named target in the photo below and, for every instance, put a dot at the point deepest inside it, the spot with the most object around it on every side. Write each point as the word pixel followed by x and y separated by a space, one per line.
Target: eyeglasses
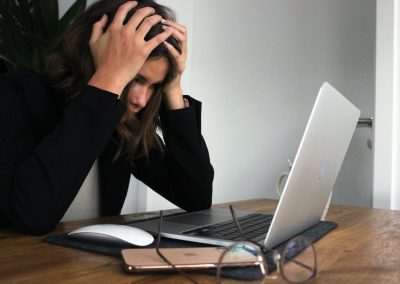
pixel 296 262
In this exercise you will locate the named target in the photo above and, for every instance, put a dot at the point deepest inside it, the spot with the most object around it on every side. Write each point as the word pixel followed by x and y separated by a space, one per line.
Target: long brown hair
pixel 70 67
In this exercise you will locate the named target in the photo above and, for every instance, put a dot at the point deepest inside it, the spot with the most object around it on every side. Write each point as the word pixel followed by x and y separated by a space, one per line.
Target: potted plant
pixel 28 28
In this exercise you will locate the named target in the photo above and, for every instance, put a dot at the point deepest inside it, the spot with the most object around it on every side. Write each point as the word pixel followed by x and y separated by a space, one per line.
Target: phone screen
pixel 139 260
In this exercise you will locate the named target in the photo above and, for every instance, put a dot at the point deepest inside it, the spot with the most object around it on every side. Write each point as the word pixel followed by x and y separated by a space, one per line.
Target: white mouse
pixel 114 234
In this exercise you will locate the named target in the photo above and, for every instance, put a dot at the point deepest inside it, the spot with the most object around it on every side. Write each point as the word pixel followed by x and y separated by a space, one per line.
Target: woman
pixel 113 79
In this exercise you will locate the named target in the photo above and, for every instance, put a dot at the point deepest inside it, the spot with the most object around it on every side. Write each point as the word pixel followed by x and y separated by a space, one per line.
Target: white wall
pixel 257 68
pixel 63 5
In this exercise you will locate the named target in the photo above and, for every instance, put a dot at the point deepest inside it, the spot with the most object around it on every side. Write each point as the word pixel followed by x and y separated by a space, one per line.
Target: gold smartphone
pixel 147 260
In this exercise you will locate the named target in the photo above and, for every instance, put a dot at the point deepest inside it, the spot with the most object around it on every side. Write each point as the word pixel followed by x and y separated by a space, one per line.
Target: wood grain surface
pixel 365 248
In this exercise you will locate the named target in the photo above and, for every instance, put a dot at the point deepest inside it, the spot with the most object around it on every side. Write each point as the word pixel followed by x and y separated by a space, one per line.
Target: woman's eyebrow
pixel 144 79
pixel 140 77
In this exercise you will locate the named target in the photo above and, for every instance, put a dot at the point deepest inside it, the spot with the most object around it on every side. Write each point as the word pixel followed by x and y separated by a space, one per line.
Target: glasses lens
pixel 248 257
pixel 298 260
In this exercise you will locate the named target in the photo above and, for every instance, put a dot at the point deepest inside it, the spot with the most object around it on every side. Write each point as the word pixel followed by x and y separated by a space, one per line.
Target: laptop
pixel 308 187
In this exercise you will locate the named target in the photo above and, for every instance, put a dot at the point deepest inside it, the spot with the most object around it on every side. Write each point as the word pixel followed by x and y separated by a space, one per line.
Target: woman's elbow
pixel 34 226
pixel 202 200
pixel 32 221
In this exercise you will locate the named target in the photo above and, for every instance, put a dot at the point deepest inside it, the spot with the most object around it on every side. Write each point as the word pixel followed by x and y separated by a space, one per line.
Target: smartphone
pixel 147 260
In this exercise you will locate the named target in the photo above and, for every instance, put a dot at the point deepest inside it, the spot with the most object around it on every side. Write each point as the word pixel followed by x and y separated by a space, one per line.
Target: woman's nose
pixel 140 96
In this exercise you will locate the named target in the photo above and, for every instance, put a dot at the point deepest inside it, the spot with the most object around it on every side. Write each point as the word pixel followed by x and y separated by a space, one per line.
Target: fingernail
pixel 163 21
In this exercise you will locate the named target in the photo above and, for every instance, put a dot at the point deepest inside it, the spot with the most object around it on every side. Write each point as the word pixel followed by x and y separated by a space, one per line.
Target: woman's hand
pixel 173 92
pixel 120 52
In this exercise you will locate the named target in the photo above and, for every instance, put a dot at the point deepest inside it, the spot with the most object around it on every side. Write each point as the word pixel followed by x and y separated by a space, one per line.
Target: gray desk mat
pixel 243 273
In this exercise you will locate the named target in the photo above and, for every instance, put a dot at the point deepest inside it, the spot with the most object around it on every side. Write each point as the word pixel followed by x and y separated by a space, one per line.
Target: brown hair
pixel 70 67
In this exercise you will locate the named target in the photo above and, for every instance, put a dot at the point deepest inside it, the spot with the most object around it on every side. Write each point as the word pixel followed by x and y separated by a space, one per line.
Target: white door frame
pixel 386 188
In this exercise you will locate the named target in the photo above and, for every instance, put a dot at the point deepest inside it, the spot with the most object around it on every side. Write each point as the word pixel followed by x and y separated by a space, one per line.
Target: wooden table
pixel 365 248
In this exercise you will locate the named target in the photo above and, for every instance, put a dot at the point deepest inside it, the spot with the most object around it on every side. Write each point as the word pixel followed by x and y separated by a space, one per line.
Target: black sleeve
pixel 183 174
pixel 40 175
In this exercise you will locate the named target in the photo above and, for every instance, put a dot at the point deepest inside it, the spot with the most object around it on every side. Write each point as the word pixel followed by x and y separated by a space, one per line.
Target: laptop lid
pixel 315 168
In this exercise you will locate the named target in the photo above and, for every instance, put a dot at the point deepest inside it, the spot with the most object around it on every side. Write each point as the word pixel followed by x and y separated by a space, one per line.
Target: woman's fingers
pixel 122 11
pixel 147 24
pixel 175 25
pixel 138 18
pixel 159 39
pixel 97 29
pixel 179 33
pixel 172 50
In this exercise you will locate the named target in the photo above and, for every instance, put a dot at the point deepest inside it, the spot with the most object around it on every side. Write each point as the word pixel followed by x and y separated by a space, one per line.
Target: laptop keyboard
pixel 255 226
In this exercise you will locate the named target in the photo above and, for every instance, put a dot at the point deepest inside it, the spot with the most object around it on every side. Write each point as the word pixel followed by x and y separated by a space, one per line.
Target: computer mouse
pixel 113 234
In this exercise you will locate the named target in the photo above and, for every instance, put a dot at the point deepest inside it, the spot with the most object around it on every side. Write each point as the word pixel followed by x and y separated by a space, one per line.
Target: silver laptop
pixel 316 166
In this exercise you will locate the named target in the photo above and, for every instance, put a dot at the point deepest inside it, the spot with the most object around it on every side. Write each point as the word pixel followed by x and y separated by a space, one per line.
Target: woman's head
pixel 71 66
pixel 72 57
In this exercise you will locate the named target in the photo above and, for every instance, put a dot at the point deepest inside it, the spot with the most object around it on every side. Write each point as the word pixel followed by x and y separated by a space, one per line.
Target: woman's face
pixel 147 80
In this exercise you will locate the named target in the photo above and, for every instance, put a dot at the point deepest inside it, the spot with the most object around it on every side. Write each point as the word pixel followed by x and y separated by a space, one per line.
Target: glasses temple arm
pixel 237 224
pixel 180 271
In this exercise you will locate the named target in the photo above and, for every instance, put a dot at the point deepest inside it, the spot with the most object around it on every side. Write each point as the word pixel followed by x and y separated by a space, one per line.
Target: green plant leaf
pixel 75 10
pixel 28 27
pixel 8 14
pixel 17 52
pixel 21 10
pixel 14 45
pixel 24 7
pixel 35 59
pixel 46 17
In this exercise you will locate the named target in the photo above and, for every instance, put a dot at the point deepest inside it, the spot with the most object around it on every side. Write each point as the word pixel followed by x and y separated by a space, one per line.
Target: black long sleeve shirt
pixel 47 150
